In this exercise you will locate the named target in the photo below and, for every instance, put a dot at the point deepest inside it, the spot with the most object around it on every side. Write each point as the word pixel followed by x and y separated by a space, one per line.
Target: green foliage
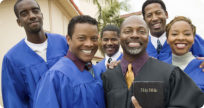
pixel 110 14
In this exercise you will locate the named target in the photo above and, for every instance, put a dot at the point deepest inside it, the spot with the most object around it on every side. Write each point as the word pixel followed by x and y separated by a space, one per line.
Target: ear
pixel 19 22
pixel 167 16
pixel 68 39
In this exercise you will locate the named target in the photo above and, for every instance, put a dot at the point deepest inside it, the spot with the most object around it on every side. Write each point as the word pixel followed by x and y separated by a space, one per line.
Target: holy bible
pixel 149 94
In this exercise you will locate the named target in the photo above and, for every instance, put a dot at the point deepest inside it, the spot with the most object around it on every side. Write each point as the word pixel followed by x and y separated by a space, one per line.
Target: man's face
pixel 110 42
pixel 84 41
pixel 134 36
pixel 155 18
pixel 30 16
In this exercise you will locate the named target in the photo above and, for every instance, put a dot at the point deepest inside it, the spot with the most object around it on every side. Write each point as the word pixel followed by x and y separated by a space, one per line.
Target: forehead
pixel 109 34
pixel 85 28
pixel 180 25
pixel 153 7
pixel 26 5
pixel 134 22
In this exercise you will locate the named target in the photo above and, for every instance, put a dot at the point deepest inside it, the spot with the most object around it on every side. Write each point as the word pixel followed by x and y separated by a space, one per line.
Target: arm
pixel 13 86
pixel 183 92
pixel 198 47
pixel 53 91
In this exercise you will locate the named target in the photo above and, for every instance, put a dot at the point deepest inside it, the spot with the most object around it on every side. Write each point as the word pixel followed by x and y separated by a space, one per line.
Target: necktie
pixel 88 67
pixel 109 60
pixel 129 76
pixel 159 46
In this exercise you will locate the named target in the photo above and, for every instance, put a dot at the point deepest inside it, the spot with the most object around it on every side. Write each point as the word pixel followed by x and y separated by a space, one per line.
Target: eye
pixel 105 39
pixel 149 15
pixel 187 34
pixel 158 13
pixel 113 39
pixel 142 31
pixel 174 34
pixel 23 14
pixel 36 11
pixel 127 31
pixel 95 38
pixel 81 38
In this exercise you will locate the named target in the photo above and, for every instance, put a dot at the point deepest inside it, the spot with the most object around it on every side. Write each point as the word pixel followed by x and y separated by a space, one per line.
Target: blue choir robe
pixel 197 49
pixel 65 86
pixel 101 64
pixel 193 71
pixel 22 68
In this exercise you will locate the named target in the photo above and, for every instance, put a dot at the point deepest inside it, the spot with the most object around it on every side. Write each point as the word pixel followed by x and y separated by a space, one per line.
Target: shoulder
pixel 159 66
pixel 101 62
pixel 56 37
pixel 112 72
pixel 15 51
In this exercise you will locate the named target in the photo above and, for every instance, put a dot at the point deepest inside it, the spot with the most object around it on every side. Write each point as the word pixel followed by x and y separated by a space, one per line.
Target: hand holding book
pixel 135 102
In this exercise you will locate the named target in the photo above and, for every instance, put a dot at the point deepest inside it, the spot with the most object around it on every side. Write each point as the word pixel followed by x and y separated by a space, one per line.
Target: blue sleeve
pixel 53 91
pixel 13 86
pixel 198 47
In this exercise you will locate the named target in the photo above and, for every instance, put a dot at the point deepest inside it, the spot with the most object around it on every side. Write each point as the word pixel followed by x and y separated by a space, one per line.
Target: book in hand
pixel 149 94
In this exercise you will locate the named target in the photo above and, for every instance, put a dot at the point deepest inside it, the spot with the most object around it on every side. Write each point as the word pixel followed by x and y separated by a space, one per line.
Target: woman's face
pixel 180 38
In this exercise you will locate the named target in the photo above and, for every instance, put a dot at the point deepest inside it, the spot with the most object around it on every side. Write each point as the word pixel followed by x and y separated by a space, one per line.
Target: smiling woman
pixel 180 36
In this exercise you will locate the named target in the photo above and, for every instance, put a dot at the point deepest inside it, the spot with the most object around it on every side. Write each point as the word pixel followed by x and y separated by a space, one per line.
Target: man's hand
pixel 113 64
pixel 134 101
pixel 202 64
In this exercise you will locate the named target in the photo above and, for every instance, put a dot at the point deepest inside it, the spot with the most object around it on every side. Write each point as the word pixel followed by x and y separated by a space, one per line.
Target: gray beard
pixel 134 50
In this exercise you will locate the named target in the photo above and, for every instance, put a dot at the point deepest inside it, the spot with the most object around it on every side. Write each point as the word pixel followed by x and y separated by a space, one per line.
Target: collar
pixel 37 47
pixel 114 57
pixel 183 60
pixel 80 64
pixel 136 65
pixel 162 39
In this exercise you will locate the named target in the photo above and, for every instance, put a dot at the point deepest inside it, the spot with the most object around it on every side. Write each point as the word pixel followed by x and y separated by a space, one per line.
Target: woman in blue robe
pixel 22 68
pixel 180 37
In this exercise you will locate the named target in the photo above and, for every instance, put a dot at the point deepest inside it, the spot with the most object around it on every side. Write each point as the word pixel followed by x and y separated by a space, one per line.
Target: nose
pixel 181 37
pixel 154 17
pixel 88 43
pixel 134 34
pixel 109 42
pixel 32 16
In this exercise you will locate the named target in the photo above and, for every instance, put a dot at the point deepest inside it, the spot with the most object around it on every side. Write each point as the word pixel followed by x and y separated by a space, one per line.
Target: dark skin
pixel 31 18
pixel 134 40
pixel 154 14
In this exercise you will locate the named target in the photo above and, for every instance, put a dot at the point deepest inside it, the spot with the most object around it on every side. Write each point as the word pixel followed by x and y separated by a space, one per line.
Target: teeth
pixel 180 45
pixel 86 51
pixel 134 44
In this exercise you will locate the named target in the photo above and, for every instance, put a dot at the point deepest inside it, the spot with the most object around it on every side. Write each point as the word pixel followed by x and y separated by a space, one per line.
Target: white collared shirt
pixel 40 49
pixel 114 57
pixel 162 39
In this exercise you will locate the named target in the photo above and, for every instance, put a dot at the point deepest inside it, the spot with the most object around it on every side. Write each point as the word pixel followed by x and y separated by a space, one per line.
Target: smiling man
pixel 110 45
pixel 74 82
pixel 25 63
pixel 138 66
pixel 155 14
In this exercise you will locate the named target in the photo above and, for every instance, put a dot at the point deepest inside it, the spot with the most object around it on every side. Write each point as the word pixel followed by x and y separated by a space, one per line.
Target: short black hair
pixel 110 28
pixel 80 19
pixel 147 2
pixel 16 10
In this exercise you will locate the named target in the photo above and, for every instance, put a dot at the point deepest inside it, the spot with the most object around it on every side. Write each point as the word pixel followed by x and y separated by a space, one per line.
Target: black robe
pixel 179 89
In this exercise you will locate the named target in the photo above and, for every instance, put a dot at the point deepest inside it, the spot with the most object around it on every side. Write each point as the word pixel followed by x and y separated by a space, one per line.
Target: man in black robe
pixel 179 90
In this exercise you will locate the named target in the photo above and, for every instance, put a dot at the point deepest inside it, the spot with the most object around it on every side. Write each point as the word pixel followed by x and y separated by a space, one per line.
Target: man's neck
pixel 157 34
pixel 37 38
pixel 130 58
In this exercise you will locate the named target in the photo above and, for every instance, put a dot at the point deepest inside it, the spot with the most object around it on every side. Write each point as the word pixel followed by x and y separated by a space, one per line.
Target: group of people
pixel 46 70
